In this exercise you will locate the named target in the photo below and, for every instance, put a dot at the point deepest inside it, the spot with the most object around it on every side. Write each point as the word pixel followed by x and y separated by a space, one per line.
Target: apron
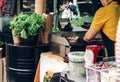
pixel 109 44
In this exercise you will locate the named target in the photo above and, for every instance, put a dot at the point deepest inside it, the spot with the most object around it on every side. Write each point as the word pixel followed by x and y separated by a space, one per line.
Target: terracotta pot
pixel 16 40
pixel 31 41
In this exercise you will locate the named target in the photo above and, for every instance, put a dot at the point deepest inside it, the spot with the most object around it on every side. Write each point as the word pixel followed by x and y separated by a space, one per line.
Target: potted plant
pixel 26 27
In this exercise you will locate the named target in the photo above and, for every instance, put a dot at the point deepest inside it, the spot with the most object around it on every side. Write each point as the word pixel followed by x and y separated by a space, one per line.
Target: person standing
pixel 105 21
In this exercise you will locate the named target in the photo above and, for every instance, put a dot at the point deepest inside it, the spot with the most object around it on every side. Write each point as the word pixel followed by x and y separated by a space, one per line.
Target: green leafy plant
pixel 55 29
pixel 76 21
pixel 1 42
pixel 26 25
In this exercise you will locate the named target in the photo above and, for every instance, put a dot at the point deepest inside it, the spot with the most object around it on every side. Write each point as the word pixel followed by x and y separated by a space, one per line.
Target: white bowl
pixel 77 56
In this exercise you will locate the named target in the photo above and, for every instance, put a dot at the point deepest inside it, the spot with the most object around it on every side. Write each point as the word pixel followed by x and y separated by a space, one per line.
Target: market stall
pixel 66 56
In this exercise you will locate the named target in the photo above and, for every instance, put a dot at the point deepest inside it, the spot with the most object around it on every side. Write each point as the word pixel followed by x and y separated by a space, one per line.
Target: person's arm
pixel 90 34
pixel 96 25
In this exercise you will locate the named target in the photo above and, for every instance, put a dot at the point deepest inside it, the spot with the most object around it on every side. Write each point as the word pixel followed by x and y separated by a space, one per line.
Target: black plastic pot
pixel 22 61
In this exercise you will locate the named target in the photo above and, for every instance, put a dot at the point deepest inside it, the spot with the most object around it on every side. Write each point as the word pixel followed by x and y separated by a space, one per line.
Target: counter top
pixel 49 62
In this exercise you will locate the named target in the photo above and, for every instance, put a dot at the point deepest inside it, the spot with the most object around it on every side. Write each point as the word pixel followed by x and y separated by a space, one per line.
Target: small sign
pixel 9 8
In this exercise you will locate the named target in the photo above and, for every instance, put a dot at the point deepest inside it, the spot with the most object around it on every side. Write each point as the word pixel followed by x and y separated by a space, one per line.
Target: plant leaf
pixel 24 34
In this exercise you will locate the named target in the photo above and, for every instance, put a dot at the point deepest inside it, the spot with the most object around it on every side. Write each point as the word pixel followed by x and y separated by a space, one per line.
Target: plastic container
pixel 76 64
pixel 109 76
pixel 93 74
pixel 101 72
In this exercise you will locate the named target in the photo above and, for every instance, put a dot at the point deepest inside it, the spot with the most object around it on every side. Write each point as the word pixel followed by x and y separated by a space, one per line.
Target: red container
pixel 95 49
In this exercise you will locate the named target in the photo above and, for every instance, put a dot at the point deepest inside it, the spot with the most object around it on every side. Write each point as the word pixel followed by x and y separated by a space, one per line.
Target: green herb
pixel 26 25
pixel 82 71
pixel 78 54
pixel 76 21
pixel 46 79
pixel 55 29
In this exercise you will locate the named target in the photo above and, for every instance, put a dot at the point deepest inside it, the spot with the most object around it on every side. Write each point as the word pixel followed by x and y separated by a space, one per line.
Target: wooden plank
pixel 37 75
pixel 1 70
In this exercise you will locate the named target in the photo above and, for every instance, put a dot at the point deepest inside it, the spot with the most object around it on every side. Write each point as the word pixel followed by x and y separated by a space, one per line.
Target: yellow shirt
pixel 106 18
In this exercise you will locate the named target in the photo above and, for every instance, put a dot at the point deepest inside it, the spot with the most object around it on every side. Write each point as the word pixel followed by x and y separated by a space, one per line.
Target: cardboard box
pixel 3 70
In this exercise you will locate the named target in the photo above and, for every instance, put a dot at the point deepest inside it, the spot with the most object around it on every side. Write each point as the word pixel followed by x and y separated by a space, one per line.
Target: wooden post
pixel 18 6
pixel 49 22
pixel 40 8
